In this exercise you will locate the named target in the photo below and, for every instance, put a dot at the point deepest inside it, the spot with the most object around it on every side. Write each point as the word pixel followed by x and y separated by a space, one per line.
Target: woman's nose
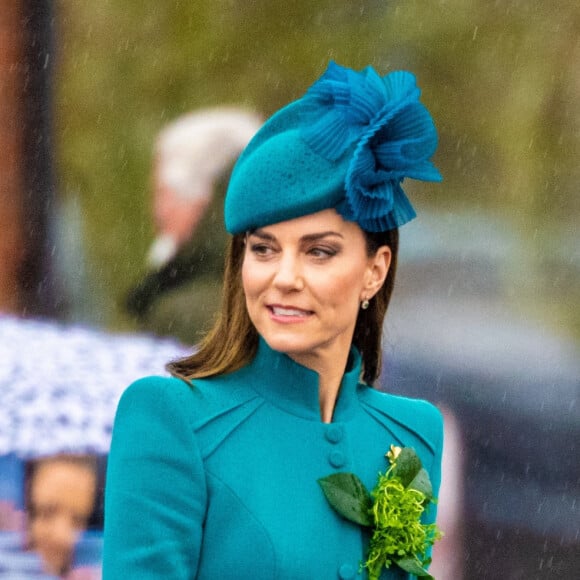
pixel 289 275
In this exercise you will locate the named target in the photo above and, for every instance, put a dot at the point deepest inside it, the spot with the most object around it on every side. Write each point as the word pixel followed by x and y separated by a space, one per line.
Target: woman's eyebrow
pixel 320 235
pixel 305 238
pixel 261 234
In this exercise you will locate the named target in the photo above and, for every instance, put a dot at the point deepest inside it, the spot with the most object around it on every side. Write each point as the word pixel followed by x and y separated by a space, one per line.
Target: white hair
pixel 194 150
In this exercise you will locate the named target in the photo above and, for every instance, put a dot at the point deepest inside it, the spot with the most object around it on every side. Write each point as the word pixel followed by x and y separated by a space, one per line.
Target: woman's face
pixel 304 280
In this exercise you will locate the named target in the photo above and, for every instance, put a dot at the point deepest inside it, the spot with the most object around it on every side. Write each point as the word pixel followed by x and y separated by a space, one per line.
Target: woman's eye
pixel 322 252
pixel 261 249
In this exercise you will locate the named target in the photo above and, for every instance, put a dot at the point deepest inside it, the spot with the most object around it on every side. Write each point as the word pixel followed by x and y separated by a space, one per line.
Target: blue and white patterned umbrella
pixel 60 384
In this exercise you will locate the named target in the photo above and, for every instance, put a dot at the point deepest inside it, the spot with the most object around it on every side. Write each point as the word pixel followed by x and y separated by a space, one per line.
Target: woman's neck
pixel 328 395
pixel 330 373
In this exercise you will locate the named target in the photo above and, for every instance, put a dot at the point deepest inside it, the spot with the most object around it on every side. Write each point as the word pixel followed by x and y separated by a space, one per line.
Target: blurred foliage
pixel 501 79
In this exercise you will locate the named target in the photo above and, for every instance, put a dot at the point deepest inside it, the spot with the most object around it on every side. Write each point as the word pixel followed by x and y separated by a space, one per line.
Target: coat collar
pixel 294 388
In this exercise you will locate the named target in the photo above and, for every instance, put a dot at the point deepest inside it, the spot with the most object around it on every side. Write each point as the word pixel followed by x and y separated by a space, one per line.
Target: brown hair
pixel 233 340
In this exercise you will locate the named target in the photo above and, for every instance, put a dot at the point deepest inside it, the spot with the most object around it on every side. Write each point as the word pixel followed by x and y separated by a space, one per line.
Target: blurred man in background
pixel 193 158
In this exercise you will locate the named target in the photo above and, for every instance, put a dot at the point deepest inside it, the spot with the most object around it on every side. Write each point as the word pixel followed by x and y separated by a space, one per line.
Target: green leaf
pixel 407 466
pixel 347 494
pixel 422 483
pixel 413 566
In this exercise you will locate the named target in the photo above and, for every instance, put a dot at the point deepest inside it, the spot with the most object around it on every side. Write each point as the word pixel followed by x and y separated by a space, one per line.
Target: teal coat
pixel 219 480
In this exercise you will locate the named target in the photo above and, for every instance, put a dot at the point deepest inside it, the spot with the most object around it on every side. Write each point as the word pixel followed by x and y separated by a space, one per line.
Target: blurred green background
pixel 501 79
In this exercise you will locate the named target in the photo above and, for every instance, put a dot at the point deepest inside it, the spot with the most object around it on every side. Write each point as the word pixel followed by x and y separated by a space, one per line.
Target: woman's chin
pixel 289 345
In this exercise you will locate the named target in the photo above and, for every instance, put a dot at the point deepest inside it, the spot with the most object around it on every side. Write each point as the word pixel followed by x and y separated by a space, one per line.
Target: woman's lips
pixel 289 311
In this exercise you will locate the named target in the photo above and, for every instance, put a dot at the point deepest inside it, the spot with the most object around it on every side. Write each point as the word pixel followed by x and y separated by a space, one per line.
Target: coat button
pixel 334 433
pixel 337 459
pixel 346 572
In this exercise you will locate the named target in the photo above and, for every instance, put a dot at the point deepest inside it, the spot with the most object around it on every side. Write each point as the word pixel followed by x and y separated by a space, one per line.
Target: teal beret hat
pixel 347 144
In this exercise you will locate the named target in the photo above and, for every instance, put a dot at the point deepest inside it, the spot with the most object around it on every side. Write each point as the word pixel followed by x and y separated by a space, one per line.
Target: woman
pixel 213 473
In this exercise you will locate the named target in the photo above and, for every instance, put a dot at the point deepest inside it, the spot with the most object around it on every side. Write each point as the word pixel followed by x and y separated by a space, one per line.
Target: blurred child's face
pixel 62 496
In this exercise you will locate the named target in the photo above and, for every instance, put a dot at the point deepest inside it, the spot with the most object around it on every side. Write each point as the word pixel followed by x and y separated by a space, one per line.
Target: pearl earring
pixel 364 304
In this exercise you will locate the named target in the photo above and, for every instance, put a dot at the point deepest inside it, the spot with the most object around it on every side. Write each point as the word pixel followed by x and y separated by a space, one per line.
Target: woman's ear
pixel 379 266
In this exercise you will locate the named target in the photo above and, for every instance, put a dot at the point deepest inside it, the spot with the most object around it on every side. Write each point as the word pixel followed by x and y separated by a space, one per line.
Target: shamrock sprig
pixel 392 510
